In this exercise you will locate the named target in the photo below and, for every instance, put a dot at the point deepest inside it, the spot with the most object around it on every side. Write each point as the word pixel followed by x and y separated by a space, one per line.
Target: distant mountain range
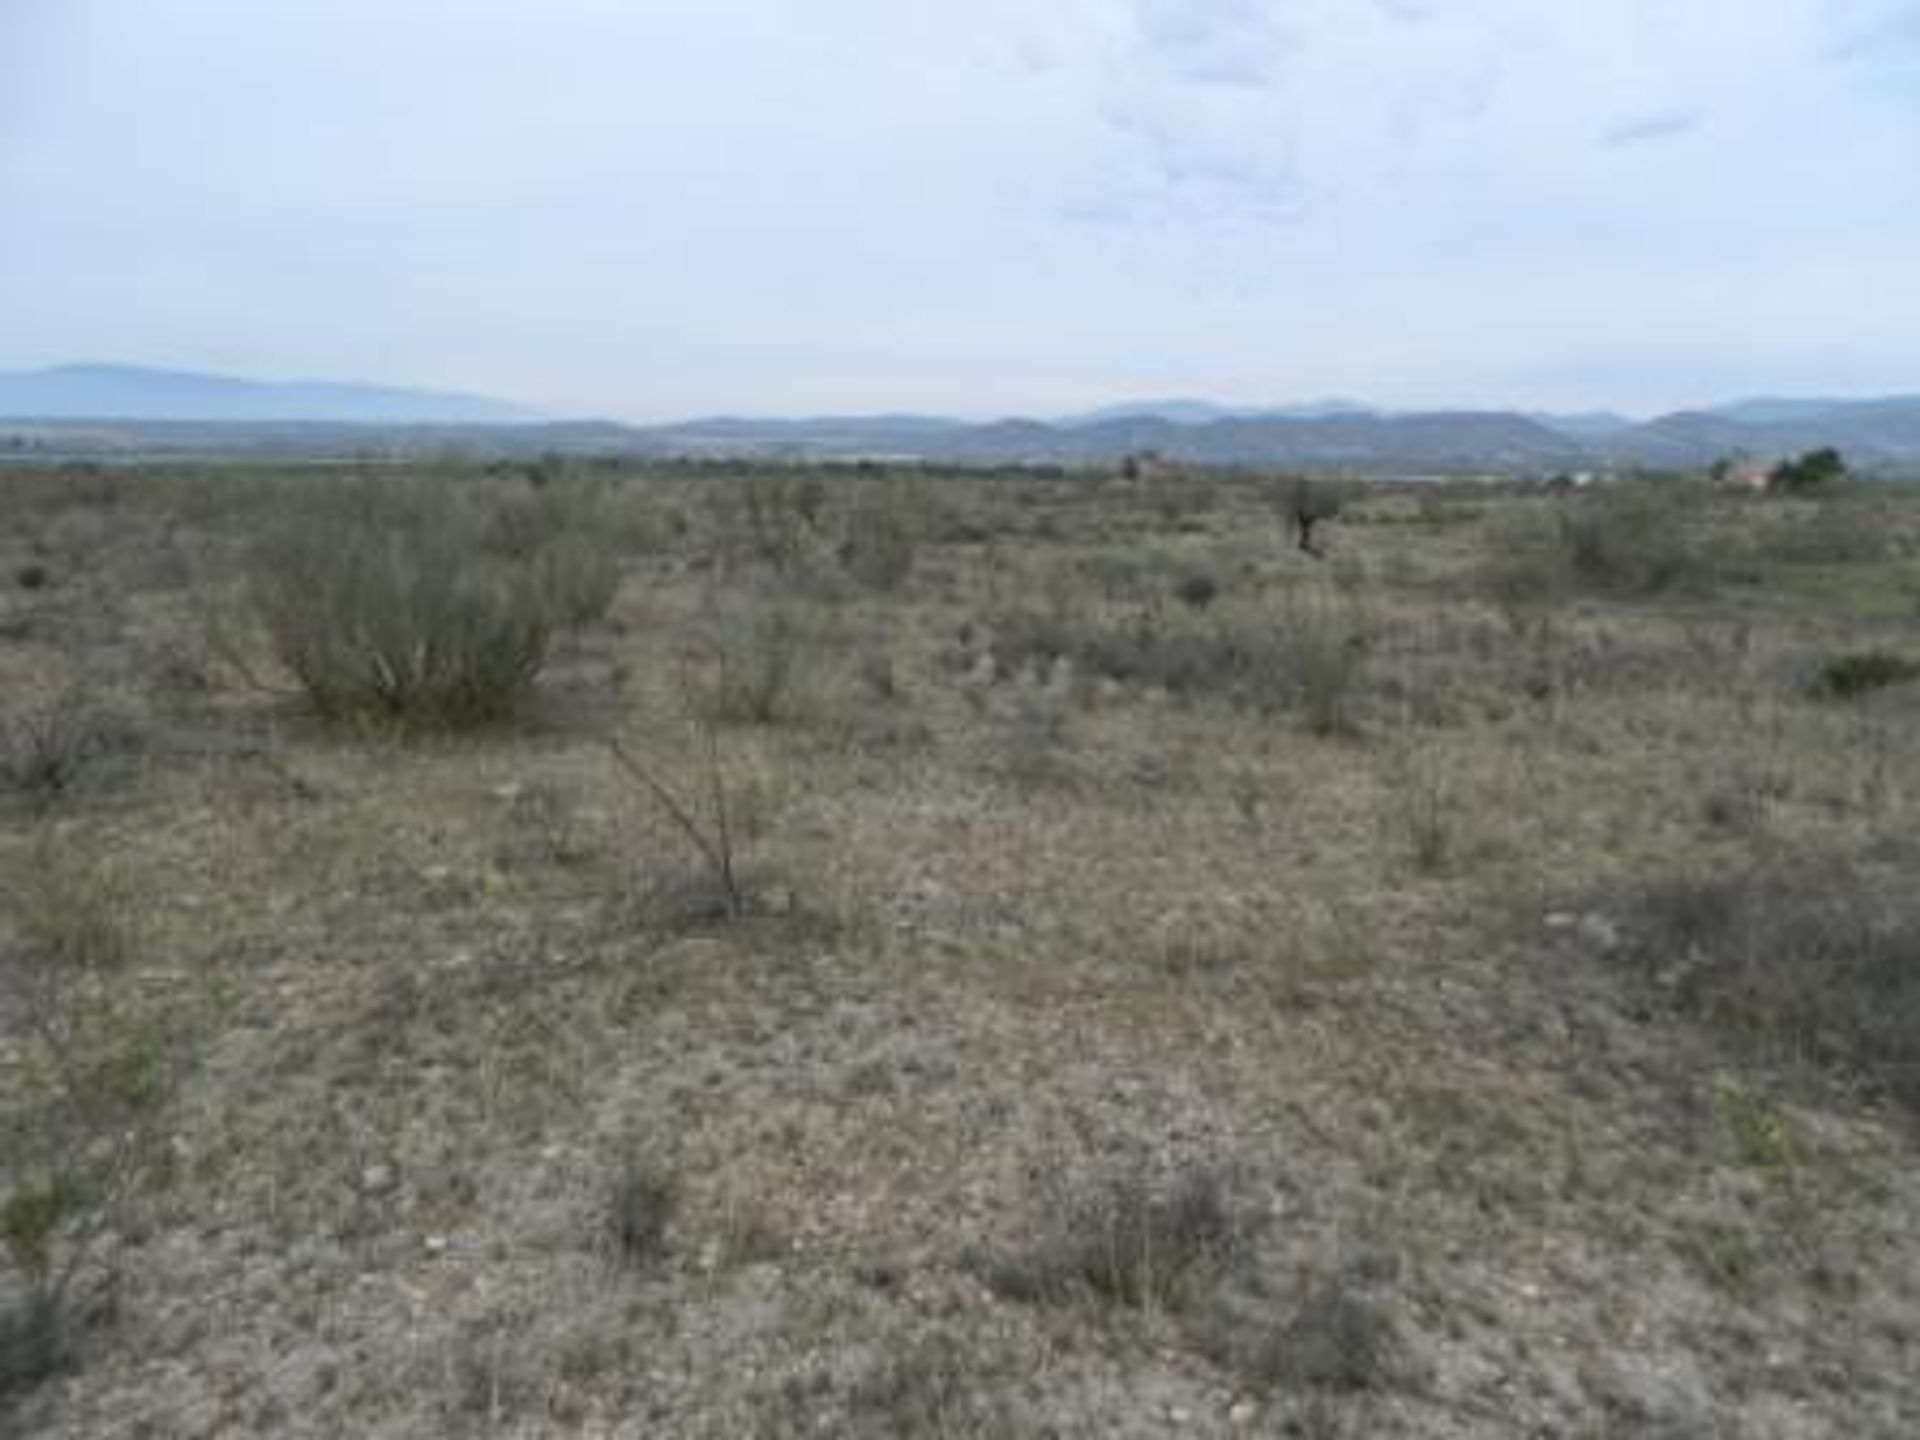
pixel 133 392
pixel 82 410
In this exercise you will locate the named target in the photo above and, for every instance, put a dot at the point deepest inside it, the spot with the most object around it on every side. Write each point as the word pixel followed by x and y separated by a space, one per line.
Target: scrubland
pixel 707 952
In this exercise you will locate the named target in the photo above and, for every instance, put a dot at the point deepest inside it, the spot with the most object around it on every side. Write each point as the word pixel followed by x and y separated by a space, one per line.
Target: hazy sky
pixel 644 209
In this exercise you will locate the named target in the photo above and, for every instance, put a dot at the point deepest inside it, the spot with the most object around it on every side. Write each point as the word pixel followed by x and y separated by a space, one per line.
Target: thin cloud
pixel 1647 129
pixel 1874 31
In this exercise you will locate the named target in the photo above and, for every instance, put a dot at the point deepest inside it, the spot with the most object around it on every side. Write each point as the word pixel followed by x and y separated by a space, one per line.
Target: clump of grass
pixel 1196 590
pixel 1845 677
pixel 1424 806
pixel 1331 1337
pixel 640 1205
pixel 387 605
pixel 45 750
pixel 926 1390
pixel 1131 1242
pixel 85 1076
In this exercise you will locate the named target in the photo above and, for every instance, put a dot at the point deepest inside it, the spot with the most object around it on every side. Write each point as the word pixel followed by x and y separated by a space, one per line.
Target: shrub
pixel 1637 537
pixel 1821 469
pixel 1840 530
pixel 1846 676
pixel 45 750
pixel 1197 590
pixel 1309 659
pixel 706 822
pixel 772 520
pixel 562 534
pixel 640 1204
pixel 387 603
pixel 1631 537
pixel 880 536
pixel 1816 961
pixel 746 658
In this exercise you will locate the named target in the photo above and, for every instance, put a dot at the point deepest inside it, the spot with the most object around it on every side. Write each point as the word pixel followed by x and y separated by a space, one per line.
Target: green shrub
pixel 1816 470
pixel 1846 676
pixel 393 602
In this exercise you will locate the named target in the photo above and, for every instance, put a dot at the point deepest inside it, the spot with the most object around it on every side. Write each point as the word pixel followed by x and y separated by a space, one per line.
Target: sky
pixel 645 210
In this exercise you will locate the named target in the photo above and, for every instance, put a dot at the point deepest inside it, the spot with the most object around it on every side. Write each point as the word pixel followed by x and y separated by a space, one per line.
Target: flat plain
pixel 947 954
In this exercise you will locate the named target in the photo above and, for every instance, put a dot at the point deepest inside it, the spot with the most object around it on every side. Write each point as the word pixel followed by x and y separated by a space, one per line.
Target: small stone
pixel 1242 1412
pixel 1596 930
pixel 436 1244
pixel 377 1179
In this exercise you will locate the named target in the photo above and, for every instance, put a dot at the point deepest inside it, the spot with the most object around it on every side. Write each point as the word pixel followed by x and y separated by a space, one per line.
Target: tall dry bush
pixel 417 601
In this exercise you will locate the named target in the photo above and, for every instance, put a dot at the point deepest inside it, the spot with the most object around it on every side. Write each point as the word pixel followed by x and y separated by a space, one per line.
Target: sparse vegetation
pixel 87 1074
pixel 1040 956
pixel 1630 538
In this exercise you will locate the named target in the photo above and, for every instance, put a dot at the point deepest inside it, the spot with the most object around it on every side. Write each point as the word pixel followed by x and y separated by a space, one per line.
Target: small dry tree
pixel 707 824
pixel 1305 504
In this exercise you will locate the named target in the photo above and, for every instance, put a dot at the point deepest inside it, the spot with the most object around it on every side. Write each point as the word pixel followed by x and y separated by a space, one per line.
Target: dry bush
pixel 708 820
pixel 562 534
pixel 45 750
pixel 748 657
pixel 1815 961
pixel 1132 1241
pixel 1309 659
pixel 390 601
pixel 771 521
pixel 1842 530
pixel 1630 538
pixel 879 534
